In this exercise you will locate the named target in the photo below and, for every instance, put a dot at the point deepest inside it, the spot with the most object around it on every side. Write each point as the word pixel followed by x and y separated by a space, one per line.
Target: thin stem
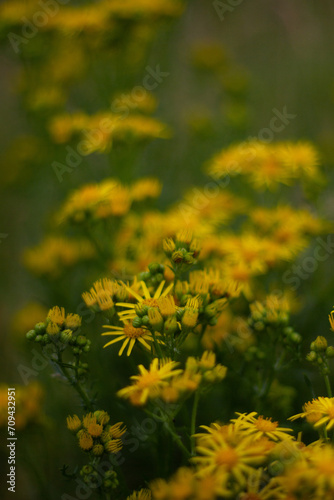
pixel 328 386
pixel 157 346
pixel 169 426
pixel 177 439
pixel 76 384
pixel 193 421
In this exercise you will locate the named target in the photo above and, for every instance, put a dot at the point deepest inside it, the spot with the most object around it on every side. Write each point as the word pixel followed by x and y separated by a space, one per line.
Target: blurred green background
pixel 271 55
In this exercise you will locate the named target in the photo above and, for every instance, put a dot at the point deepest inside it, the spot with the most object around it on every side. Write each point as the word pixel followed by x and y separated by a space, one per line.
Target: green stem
pixel 169 426
pixel 193 421
pixel 328 386
pixel 177 439
pixel 157 346
pixel 75 384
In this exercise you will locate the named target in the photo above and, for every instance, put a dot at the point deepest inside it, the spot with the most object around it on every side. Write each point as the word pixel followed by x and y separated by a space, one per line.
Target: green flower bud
pixel 137 322
pixel 154 267
pixel 145 320
pixel 295 338
pixel 86 469
pixel 311 356
pixel 46 339
pixel 319 344
pixel 39 338
pixel 170 326
pixel 330 351
pixel 81 340
pixel 31 335
pixel 40 328
pixel 66 336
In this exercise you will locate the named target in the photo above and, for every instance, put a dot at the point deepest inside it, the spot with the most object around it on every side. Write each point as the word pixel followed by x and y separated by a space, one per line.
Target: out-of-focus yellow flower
pixel 56 254
pixel 27 317
pixel 28 405
pixel 185 484
pixel 238 461
pixel 143 494
pixel 145 188
pixel 259 427
pixel 146 300
pixel 319 412
pixel 267 165
pixel 149 382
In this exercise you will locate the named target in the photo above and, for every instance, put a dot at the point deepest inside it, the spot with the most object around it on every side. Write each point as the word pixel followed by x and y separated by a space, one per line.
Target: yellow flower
pixel 319 412
pixel 185 485
pixel 331 320
pixel 147 300
pixel 103 293
pixel 57 315
pixel 25 318
pixel 190 316
pixel 143 494
pixel 239 460
pixel 95 430
pixel 166 305
pixel 85 441
pixel 261 427
pixel 145 188
pixel 72 321
pixel 312 476
pixel 129 334
pixel 73 423
pixel 256 491
pixel 149 382
pixel 113 446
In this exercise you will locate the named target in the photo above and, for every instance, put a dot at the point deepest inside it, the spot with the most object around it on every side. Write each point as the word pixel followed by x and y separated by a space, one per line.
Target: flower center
pixel 265 424
pixel 132 332
pixel 148 379
pixel 150 302
pixel 228 457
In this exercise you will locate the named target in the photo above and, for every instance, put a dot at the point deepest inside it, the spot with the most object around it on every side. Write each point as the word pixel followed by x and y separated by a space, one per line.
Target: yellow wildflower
pixel 129 334
pixel 149 382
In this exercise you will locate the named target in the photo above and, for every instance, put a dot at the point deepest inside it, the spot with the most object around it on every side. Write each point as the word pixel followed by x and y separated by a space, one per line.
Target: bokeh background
pixel 226 74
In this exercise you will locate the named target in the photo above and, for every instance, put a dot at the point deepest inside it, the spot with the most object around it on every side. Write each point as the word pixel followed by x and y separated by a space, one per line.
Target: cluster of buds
pixel 271 313
pixel 60 330
pixel 94 433
pixel 210 371
pixel 209 307
pixel 320 353
pixel 93 479
pixel 163 317
pixel 182 251
pixel 154 276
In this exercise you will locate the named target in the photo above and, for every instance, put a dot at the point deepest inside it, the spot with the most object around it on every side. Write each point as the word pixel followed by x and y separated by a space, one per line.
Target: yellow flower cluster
pixel 266 166
pixel 95 434
pixel 98 132
pixel 107 199
pixel 163 381
pixel 56 254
